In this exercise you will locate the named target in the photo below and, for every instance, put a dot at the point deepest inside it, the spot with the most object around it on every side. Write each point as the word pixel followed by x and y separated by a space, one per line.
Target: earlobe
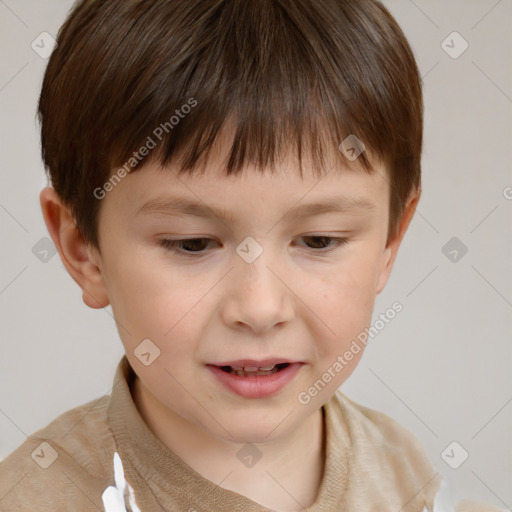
pixel 81 262
pixel 391 250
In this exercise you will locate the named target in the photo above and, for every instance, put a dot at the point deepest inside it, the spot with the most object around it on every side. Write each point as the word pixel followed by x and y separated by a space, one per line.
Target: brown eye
pixel 324 242
pixel 189 245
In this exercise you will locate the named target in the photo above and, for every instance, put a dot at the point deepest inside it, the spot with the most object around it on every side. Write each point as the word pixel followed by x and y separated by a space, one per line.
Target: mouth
pixel 253 371
pixel 255 379
pixel 253 367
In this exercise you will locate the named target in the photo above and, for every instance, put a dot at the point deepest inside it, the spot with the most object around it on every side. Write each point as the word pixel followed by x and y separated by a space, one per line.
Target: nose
pixel 258 297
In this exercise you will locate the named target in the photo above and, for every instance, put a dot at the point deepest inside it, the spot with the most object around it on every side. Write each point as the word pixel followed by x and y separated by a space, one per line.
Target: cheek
pixel 351 286
pixel 344 301
pixel 154 301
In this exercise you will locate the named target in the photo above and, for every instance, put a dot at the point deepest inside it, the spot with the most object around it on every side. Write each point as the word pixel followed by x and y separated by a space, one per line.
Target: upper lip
pixel 261 363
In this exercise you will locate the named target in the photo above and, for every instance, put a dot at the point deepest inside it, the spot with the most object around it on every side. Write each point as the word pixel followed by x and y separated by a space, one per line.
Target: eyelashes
pixel 336 241
pixel 176 245
pixel 179 246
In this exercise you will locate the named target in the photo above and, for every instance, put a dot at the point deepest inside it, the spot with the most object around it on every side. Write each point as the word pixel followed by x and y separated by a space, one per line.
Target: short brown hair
pixel 301 72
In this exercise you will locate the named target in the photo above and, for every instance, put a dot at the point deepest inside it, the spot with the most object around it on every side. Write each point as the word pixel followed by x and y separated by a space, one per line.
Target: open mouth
pixel 254 371
pixel 255 379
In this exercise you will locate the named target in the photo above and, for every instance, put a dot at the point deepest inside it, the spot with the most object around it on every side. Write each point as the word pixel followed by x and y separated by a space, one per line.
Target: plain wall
pixel 441 368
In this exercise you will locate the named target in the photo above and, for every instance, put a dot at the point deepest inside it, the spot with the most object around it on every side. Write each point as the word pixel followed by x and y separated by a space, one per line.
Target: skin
pixel 297 300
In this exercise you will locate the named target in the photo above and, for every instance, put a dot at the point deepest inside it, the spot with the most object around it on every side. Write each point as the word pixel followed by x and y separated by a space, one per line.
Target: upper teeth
pixel 254 368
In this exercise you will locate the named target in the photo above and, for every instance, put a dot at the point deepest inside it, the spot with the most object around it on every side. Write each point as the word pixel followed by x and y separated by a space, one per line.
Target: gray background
pixel 441 368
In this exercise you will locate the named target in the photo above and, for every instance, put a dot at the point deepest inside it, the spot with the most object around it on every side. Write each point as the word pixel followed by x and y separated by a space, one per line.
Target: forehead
pixel 287 189
pixel 300 186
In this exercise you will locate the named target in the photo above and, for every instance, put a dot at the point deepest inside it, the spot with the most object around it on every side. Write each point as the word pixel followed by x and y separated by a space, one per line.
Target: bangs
pixel 252 139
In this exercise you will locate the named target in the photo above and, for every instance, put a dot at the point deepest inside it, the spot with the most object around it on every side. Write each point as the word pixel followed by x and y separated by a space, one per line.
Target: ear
pixel 81 261
pixel 391 250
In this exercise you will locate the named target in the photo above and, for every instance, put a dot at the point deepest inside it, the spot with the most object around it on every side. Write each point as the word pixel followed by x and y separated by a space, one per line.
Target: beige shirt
pixel 372 464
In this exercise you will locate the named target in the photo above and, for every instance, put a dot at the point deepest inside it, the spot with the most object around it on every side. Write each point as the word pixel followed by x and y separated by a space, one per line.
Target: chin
pixel 253 427
pixel 251 436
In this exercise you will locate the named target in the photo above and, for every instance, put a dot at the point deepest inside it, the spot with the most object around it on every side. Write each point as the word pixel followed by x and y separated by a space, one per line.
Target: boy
pixel 235 178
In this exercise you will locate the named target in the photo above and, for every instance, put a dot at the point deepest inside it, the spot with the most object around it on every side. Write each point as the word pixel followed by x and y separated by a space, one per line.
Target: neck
pixel 286 478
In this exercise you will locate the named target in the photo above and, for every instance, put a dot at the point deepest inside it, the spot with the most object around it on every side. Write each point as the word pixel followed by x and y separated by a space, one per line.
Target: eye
pixel 196 246
pixel 188 246
pixel 325 242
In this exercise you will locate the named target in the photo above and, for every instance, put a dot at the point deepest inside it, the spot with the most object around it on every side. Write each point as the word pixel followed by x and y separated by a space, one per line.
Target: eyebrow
pixel 180 206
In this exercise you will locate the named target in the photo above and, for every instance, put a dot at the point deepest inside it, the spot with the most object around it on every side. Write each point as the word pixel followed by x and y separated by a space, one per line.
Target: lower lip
pixel 258 386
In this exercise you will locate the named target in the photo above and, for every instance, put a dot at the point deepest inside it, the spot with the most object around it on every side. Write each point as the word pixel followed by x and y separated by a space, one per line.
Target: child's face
pixel 302 300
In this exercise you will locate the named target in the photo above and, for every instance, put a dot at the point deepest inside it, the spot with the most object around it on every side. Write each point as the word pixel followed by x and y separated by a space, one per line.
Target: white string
pixel 113 497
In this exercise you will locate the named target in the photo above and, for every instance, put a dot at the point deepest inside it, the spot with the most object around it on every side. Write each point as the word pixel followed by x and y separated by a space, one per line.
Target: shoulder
pixel 67 461
pixel 388 464
pixel 473 506
pixel 386 451
pixel 387 436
